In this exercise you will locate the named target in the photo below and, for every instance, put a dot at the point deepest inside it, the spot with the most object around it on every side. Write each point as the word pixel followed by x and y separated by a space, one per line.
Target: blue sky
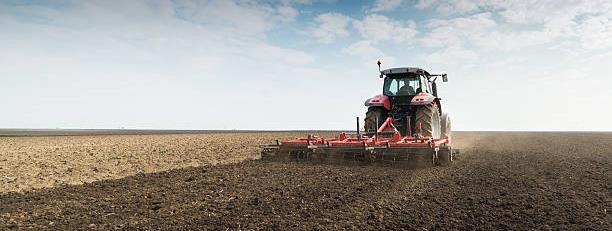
pixel 300 64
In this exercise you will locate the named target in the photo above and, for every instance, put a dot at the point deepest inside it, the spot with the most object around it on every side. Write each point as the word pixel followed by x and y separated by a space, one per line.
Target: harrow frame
pixel 386 145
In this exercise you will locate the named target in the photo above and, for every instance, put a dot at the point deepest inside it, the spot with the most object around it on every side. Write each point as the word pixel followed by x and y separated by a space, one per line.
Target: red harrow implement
pixel 385 145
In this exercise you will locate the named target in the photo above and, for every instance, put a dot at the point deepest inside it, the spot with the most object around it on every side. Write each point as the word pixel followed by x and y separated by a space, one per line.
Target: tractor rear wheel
pixel 371 118
pixel 427 121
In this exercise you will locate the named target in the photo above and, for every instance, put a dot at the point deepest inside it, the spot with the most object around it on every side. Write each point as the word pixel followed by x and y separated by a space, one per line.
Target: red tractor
pixel 404 125
pixel 410 98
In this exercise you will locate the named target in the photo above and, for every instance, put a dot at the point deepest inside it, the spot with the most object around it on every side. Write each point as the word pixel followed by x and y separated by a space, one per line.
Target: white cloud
pixel 520 24
pixel 364 49
pixel 330 27
pixel 449 7
pixel 511 40
pixel 521 11
pixel 269 52
pixel 596 32
pixel 140 65
pixel 424 4
pixel 385 5
pixel 543 11
pixel 287 13
pixel 368 53
pixel 457 31
pixel 239 16
pixel 303 2
pixel 143 63
pixel 452 56
pixel 554 14
pixel 376 28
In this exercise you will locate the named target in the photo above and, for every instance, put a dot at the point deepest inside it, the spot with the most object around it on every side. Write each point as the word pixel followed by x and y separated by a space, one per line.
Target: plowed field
pixel 500 181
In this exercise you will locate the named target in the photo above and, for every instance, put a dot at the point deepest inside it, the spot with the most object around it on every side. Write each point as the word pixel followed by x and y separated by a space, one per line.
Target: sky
pixel 534 65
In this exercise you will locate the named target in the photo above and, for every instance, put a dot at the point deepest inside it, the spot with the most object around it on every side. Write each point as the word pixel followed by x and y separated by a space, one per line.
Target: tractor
pixel 403 125
pixel 410 98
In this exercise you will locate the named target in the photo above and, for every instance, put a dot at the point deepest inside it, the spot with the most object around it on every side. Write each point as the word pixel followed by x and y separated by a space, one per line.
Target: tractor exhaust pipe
pixel 408 128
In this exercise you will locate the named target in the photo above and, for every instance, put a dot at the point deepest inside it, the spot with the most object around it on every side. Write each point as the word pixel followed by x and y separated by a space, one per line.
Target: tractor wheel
pixel 370 120
pixel 446 127
pixel 427 121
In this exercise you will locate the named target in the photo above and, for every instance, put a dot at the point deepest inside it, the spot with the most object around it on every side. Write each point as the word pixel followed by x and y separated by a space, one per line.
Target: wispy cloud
pixel 378 28
pixel 330 26
pixel 385 5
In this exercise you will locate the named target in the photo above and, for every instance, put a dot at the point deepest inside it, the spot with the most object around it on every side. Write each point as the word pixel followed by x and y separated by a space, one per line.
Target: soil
pixel 30 161
pixel 500 181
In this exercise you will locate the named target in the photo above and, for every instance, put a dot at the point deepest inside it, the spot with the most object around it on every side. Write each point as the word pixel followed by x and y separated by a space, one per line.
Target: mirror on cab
pixel 444 78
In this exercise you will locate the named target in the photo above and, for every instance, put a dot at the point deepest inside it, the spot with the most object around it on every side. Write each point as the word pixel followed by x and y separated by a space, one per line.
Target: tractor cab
pixel 410 98
pixel 408 82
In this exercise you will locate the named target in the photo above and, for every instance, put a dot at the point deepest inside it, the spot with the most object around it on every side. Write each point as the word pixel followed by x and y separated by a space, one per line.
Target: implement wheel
pixel 446 127
pixel 445 156
pixel 371 115
pixel 428 121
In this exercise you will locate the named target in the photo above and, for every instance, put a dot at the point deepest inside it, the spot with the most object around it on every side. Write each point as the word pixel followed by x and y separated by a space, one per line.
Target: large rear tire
pixel 370 120
pixel 427 121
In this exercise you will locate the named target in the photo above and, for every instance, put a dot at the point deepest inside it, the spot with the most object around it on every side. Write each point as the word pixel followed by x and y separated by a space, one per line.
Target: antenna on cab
pixel 378 62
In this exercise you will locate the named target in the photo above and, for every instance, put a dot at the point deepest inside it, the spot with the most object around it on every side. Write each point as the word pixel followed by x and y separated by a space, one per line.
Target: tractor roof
pixel 400 70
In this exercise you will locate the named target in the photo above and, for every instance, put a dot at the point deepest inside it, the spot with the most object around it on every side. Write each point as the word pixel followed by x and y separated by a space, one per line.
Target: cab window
pixel 401 86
